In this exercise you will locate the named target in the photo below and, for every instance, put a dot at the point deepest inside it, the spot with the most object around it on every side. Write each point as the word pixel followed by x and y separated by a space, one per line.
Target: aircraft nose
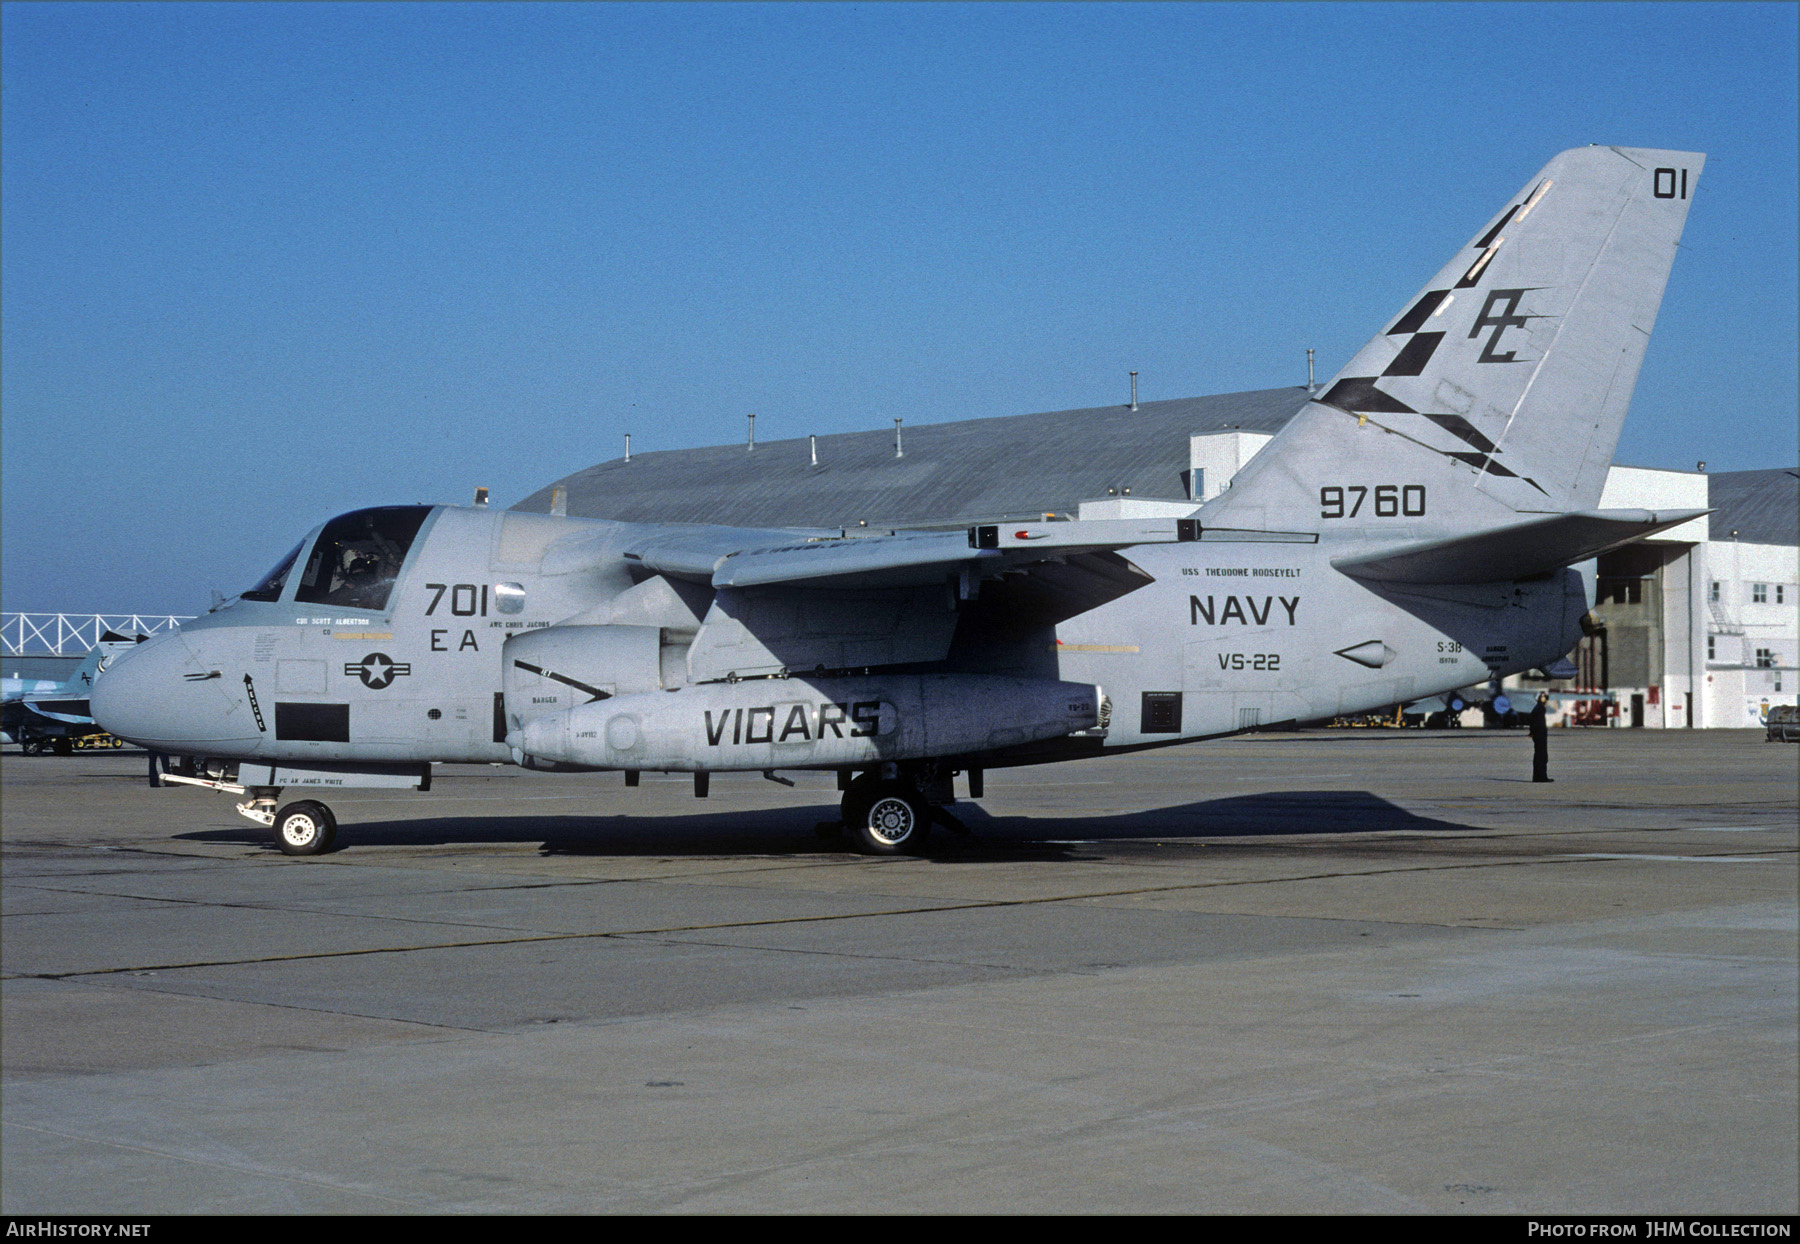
pixel 164 695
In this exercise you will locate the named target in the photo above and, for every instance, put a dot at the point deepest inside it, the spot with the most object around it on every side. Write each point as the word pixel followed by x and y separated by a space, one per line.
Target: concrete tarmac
pixel 1327 971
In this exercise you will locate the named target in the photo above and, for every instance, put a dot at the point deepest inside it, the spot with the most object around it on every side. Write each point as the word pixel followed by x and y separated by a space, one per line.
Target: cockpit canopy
pixel 353 563
pixel 269 586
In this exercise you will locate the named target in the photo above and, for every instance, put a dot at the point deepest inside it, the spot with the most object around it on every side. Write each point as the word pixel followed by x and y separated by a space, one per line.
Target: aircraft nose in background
pixel 165 696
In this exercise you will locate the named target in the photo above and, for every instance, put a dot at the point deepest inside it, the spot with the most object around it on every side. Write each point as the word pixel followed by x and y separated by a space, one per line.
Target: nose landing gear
pixel 305 827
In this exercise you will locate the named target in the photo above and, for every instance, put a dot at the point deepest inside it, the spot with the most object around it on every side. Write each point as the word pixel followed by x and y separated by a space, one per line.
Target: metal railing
pixel 1722 621
pixel 73 634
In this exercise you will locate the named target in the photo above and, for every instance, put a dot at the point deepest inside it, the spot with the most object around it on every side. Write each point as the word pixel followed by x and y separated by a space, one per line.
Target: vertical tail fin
pixel 1502 386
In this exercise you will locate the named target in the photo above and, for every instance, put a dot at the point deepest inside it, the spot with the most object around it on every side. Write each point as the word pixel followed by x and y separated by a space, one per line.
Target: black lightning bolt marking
pixel 1411 360
pixel 1487 239
pixel 565 680
pixel 1421 311
pixel 1358 396
pixel 1464 431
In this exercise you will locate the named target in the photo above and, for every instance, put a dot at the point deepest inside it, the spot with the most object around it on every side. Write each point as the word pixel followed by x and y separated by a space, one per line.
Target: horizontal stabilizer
pixel 1516 551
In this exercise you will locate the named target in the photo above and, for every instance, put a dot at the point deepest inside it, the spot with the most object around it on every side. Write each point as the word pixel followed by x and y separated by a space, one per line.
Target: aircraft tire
pixel 63 746
pixel 886 818
pixel 305 827
pixel 31 747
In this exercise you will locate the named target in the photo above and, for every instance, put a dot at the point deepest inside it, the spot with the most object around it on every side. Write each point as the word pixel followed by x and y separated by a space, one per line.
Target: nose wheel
pixel 305 827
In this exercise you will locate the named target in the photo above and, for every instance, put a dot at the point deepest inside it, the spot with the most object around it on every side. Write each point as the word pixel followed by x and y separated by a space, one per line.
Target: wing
pixel 788 601
pixel 69 712
pixel 731 557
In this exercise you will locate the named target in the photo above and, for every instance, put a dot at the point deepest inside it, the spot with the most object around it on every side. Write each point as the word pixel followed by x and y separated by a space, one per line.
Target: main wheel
pixel 305 828
pixel 887 818
pixel 32 747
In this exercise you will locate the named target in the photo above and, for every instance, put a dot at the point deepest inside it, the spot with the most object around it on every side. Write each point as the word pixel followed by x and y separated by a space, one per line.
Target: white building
pixel 1752 600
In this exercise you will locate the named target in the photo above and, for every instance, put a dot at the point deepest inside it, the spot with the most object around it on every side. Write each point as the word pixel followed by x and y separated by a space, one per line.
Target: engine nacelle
pixel 557 668
pixel 793 723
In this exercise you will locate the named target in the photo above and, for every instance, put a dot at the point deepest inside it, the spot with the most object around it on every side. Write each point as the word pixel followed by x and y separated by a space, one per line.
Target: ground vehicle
pixel 1783 724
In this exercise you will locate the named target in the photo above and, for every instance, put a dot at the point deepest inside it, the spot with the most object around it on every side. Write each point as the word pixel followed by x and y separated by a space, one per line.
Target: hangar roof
pixel 1762 506
pixel 1007 466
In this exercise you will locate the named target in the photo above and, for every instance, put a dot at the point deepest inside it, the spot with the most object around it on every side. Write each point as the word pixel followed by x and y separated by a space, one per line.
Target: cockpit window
pixel 269 586
pixel 358 557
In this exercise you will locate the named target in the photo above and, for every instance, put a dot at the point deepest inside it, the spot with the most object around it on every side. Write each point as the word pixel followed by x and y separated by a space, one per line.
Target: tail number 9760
pixel 1391 500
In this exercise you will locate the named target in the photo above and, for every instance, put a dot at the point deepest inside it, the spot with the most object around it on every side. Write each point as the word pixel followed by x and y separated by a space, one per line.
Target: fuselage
pixel 386 640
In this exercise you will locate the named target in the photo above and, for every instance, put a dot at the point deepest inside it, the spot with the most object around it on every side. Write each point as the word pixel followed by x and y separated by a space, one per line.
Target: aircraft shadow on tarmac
pixel 789 831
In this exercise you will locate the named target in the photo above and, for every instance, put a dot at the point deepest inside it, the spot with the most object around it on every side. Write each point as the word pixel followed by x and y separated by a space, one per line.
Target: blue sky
pixel 265 263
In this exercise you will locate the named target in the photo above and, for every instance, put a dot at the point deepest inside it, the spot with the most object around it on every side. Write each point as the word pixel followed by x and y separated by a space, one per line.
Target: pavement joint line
pixel 269 860
pixel 668 940
pixel 668 878
pixel 247 1168
pixel 744 924
pixel 315 1010
pixel 279 907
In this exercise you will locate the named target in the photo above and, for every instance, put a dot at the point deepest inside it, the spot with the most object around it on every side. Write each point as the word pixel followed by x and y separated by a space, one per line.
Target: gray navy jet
pixel 39 713
pixel 1416 528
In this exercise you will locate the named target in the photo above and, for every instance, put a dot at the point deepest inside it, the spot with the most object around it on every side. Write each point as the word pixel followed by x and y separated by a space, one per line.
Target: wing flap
pixel 1515 551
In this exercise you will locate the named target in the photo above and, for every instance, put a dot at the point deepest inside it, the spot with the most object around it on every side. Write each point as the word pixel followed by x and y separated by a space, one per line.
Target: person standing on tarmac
pixel 1540 740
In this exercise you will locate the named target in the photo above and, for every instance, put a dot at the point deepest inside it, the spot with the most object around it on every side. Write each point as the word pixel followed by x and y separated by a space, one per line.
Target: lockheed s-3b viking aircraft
pixel 1414 529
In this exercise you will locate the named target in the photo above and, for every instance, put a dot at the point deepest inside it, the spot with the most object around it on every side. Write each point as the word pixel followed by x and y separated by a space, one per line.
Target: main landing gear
pixel 890 811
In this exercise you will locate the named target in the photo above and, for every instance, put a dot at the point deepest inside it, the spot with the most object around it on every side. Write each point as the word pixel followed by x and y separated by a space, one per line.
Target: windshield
pixel 358 557
pixel 269 586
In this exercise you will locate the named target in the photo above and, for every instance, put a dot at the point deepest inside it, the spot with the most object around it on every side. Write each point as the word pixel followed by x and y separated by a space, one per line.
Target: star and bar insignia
pixel 376 671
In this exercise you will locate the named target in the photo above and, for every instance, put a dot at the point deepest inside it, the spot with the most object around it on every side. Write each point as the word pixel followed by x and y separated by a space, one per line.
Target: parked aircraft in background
pixel 39 713
pixel 1410 532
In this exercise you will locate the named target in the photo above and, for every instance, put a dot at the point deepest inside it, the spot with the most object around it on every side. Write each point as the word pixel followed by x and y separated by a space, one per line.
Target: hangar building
pixel 1700 626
